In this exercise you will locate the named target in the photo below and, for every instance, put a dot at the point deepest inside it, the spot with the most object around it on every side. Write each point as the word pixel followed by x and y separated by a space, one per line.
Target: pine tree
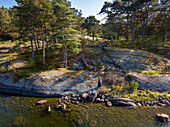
pixel 66 26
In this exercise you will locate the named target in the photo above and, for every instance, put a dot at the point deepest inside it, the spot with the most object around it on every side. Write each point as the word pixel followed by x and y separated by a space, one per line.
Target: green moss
pixel 19 122
pixel 150 72
pixel 104 90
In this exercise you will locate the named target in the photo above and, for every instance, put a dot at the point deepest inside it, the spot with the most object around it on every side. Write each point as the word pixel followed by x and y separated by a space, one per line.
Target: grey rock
pixel 97 100
pixel 123 102
pixel 63 106
pixel 75 66
pixel 109 104
pixel 162 117
pixel 84 95
pixel 94 69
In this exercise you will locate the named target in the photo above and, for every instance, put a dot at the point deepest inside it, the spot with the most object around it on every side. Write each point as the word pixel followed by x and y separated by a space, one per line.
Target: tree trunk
pixel 35 41
pixel 117 36
pixel 165 32
pixel 56 41
pixel 38 41
pixel 127 32
pixel 47 44
pixel 12 35
pixel 93 36
pixel 132 32
pixel 32 48
pixel 112 34
pixel 143 30
pixel 127 26
pixel 43 45
pixel 65 54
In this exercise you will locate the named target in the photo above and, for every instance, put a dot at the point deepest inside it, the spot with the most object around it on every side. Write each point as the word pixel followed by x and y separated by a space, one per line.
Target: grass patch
pixel 104 90
pixel 150 72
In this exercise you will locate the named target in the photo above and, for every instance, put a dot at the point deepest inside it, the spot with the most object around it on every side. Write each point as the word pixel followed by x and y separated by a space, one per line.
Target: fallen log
pixel 41 102
pixel 84 62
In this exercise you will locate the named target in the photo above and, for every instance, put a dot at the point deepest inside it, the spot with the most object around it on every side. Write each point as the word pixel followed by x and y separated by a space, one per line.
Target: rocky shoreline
pixel 112 101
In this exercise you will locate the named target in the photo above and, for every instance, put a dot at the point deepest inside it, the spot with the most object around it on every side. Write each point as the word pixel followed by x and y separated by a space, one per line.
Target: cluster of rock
pixel 111 101
pixel 160 101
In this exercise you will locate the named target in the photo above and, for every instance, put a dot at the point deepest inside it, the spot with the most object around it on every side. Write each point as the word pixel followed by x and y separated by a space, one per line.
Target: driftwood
pixel 41 102
pixel 84 62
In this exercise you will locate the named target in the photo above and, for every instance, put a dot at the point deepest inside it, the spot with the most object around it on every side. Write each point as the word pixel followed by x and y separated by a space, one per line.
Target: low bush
pixel 133 88
pixel 104 90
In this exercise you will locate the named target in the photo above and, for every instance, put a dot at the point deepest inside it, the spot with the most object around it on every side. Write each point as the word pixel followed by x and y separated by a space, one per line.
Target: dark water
pixel 22 112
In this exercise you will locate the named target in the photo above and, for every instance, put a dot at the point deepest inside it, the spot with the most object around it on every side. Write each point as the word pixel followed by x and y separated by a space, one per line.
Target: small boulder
pixel 109 104
pixel 75 66
pixel 77 102
pixel 48 109
pixel 84 95
pixel 94 69
pixel 59 100
pixel 63 106
pixel 97 100
pixel 162 117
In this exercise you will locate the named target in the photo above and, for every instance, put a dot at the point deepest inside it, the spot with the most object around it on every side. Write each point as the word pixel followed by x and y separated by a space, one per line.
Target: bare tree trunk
pixel 132 32
pixel 35 41
pixel 38 41
pixel 43 45
pixel 93 36
pixel 127 26
pixel 32 48
pixel 111 32
pixel 117 36
pixel 112 36
pixel 143 30
pixel 65 54
pixel 165 32
pixel 12 35
pixel 47 44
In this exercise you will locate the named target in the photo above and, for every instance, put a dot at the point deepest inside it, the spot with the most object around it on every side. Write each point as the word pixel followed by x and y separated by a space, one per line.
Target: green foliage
pixel 165 94
pixel 133 88
pixel 104 90
pixel 150 72
pixel 3 69
pixel 74 94
pixel 167 68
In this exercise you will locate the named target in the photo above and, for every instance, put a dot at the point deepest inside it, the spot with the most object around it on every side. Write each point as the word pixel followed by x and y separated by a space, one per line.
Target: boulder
pixel 63 106
pixel 162 117
pixel 94 69
pixel 97 100
pixel 122 102
pixel 84 95
pixel 109 104
pixel 75 66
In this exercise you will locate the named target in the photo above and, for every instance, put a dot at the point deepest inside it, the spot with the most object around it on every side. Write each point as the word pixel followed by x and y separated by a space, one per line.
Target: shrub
pixel 133 86
pixel 3 69
pixel 104 90
pixel 167 68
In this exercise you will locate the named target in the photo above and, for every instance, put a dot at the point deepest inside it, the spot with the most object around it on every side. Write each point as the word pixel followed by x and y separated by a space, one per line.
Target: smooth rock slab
pixel 122 102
